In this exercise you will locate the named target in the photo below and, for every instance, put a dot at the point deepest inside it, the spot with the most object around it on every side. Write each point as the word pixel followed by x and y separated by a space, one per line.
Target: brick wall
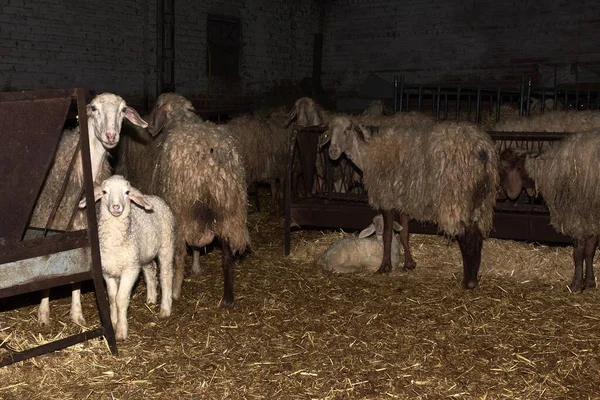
pixel 111 45
pixel 452 40
pixel 101 46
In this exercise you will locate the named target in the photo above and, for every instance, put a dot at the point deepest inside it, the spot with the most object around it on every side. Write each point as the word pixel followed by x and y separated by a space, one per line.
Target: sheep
pixel 105 115
pixel 567 177
pixel 201 175
pixel 131 239
pixel 447 175
pixel 376 108
pixel 263 146
pixel 352 254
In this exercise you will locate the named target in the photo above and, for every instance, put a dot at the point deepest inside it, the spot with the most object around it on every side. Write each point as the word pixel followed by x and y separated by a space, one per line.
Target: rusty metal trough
pixel 32 259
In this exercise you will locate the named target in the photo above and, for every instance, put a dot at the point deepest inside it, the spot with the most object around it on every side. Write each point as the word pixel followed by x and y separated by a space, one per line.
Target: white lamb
pixel 132 238
pixel 360 253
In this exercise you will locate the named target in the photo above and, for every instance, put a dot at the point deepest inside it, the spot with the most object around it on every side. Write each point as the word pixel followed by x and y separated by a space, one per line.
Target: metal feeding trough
pixel 36 258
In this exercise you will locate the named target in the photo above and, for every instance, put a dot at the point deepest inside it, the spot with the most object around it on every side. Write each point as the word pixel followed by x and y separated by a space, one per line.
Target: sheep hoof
pixel 384 269
pixel 78 319
pixel 43 319
pixel 590 283
pixel 226 303
pixel 470 284
pixel 164 313
pixel 576 286
pixel 409 266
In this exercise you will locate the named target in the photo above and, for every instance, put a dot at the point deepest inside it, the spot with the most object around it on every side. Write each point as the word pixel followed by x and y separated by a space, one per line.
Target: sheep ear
pixel 138 198
pixel 97 196
pixel 513 184
pixel 292 114
pixel 134 117
pixel 397 226
pixel 325 138
pixel 363 133
pixel 368 231
pixel 159 118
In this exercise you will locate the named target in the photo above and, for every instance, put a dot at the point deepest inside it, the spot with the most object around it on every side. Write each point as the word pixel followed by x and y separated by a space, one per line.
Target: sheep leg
pixel 577 284
pixel 470 243
pixel 150 278
pixel 388 222
pixel 196 270
pixel 165 259
pixel 590 250
pixel 112 286
pixel 227 265
pixel 409 262
pixel 76 311
pixel 43 315
pixel 256 196
pixel 179 270
pixel 128 278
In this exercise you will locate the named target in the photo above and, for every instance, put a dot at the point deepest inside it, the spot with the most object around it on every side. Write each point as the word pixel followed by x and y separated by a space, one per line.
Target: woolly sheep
pixel 201 175
pixel 132 238
pixel 353 254
pixel 567 177
pixel 376 108
pixel 447 175
pixel 263 146
pixel 105 115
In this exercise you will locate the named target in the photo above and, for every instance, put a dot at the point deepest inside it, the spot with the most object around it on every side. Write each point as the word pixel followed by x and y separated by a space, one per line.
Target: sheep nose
pixel 111 136
pixel 116 208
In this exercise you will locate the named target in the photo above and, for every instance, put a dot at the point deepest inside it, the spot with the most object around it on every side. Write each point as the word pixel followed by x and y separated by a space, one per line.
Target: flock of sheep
pixel 181 182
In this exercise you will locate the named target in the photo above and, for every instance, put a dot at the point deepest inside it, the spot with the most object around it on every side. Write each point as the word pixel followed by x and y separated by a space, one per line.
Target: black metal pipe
pixel 395 94
pixel 458 102
pixel 401 92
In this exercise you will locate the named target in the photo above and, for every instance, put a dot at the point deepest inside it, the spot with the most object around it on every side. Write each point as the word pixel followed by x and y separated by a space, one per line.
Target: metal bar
pixel 458 102
pixel 92 226
pixel 478 106
pixel 498 100
pixel 288 192
pixel 401 92
pixel 420 101
pixel 522 98
pixel 35 95
pixel 395 94
pixel 50 347
pixel 437 102
pixel 45 283
pixel 42 246
pixel 528 95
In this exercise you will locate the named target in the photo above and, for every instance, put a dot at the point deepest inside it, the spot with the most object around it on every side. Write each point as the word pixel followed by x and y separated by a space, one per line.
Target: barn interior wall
pixel 454 40
pixel 111 45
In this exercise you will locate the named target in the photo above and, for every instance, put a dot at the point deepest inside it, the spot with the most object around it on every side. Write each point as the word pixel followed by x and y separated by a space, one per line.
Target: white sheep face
pixel 105 115
pixel 115 196
pixel 340 135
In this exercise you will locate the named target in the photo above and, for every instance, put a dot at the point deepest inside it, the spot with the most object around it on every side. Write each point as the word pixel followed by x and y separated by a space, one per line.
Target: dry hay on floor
pixel 298 333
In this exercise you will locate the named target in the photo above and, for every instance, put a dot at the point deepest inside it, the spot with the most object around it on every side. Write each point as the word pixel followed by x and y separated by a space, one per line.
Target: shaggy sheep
pixel 567 177
pixel 132 238
pixel 351 254
pixel 105 115
pixel 263 146
pixel 447 175
pixel 201 175
pixel 376 108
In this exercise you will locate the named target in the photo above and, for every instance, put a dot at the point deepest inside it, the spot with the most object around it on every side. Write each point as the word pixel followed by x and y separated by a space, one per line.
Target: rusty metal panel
pixel 30 131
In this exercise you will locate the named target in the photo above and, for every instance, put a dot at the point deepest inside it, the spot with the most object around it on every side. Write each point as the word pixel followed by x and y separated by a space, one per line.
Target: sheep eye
pixel 124 109
pixel 104 192
pixel 93 108
pixel 127 192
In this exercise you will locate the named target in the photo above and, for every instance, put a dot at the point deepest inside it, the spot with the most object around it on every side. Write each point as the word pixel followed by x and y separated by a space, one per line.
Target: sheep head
pixel 513 176
pixel 117 194
pixel 105 116
pixel 343 136
pixel 306 112
pixel 376 227
pixel 167 107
